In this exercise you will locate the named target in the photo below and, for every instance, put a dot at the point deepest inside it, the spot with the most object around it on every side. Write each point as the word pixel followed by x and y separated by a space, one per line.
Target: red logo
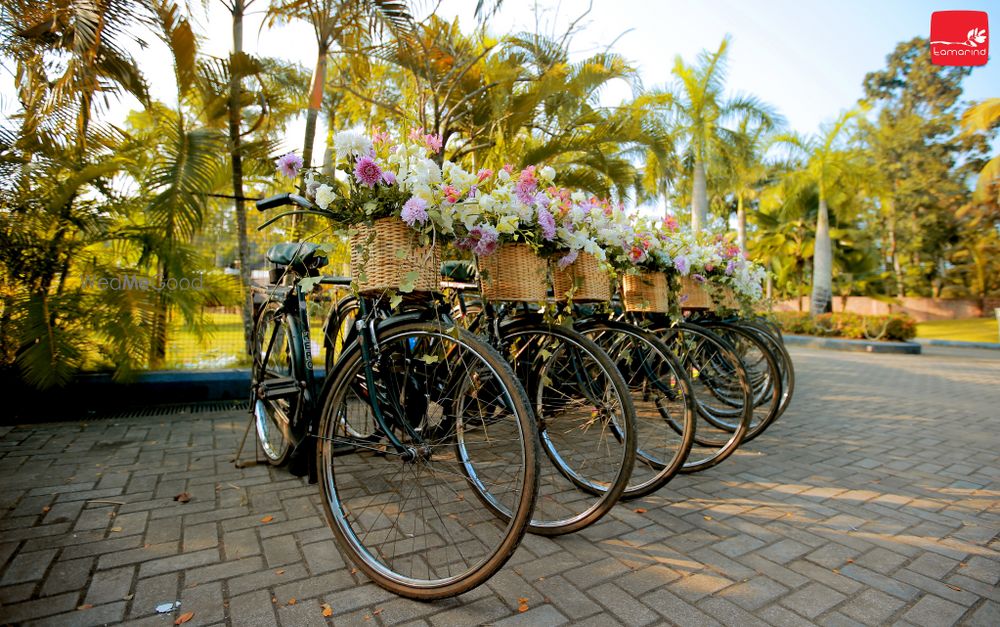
pixel 960 38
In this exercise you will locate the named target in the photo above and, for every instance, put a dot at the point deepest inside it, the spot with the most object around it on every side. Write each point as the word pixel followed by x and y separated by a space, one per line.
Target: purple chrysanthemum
pixel 289 165
pixel 699 278
pixel 548 223
pixel 567 259
pixel 367 172
pixel 414 211
pixel 681 263
pixel 388 178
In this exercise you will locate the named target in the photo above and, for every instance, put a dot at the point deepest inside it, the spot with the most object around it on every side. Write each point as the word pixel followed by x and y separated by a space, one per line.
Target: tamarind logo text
pixel 960 38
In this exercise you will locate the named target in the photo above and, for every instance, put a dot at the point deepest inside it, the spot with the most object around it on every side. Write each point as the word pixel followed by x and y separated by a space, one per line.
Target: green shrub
pixel 848 325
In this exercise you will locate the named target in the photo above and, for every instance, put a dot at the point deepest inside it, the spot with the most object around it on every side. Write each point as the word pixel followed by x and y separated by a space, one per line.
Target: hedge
pixel 848 325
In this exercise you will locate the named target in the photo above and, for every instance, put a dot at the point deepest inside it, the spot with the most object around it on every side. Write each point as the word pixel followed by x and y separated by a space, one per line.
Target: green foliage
pixel 898 327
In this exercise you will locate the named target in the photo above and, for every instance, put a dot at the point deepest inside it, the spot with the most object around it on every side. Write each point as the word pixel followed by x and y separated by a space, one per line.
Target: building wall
pixel 920 308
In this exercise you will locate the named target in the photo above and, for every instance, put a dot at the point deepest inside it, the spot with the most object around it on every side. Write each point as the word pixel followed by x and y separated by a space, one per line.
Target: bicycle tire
pixel 273 356
pixel 662 395
pixel 443 472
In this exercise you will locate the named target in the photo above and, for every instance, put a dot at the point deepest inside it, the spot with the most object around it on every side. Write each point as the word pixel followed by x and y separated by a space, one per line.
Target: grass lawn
pixel 222 347
pixel 968 330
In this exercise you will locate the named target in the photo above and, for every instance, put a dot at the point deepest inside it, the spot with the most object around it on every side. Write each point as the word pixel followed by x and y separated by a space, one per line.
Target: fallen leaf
pixel 183 497
pixel 45 510
pixel 354 570
pixel 267 519
pixel 86 606
pixel 836 571
pixel 955 588
pixel 280 571
pixel 640 510
pixel 116 529
pixel 183 618
pixel 707 517
pixel 377 611
pixel 274 600
pixel 128 597
pixel 850 561
pixel 292 601
pixel 522 607
pixel 327 610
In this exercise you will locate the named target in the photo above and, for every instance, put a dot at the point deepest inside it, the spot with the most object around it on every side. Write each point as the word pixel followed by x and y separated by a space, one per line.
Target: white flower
pixel 578 197
pixel 351 143
pixel 548 173
pixel 503 175
pixel 324 196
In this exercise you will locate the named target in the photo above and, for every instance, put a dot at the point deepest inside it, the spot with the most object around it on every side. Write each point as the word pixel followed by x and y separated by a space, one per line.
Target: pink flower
pixel 388 178
pixel 415 210
pixel 484 174
pixel 380 137
pixel 434 143
pixel 289 165
pixel 670 222
pixel 548 224
pixel 483 240
pixel 367 172
pixel 637 255
pixel 451 193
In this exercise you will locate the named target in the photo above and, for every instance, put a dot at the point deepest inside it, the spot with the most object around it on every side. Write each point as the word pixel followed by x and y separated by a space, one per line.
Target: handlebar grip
pixel 273 201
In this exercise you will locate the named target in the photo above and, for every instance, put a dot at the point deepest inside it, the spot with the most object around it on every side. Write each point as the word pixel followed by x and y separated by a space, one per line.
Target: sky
pixel 805 58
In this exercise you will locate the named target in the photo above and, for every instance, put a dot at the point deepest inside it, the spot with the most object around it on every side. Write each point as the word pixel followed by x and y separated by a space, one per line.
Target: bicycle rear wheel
pixel 274 359
pixel 415 522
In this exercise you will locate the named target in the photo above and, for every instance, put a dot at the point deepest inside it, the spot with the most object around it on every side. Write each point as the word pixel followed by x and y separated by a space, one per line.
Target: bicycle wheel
pixel 274 358
pixel 414 521
pixel 586 423
pixel 721 391
pixel 780 353
pixel 338 330
pixel 661 393
pixel 763 373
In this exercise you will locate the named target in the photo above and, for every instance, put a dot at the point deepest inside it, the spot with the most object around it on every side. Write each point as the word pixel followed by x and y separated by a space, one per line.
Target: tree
pixel 748 170
pixel 923 161
pixel 984 118
pixel 835 168
pixel 701 111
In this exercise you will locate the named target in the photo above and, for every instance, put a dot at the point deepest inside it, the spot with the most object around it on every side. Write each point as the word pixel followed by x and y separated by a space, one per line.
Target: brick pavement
pixel 872 501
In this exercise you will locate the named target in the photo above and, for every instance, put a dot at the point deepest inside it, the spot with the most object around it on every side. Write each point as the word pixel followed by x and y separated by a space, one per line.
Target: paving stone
pixel 676 610
pixel 931 611
pixel 154 591
pixel 986 615
pixel 252 609
pixel 754 593
pixel 27 567
pixel 110 585
pixel 624 606
pixel 813 600
pixel 729 613
pixel 178 562
pixel 871 607
pixel 567 597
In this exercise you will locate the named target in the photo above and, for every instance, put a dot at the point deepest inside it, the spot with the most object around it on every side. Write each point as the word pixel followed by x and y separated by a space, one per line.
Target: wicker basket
pixel 728 300
pixel 592 284
pixel 386 268
pixel 646 292
pixel 513 272
pixel 694 295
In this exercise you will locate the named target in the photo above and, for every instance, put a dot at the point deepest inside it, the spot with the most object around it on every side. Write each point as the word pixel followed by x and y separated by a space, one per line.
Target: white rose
pixel 324 196
pixel 503 175
pixel 548 173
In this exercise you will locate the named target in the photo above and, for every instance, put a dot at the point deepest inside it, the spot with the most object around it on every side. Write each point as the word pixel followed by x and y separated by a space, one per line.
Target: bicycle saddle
pixel 300 258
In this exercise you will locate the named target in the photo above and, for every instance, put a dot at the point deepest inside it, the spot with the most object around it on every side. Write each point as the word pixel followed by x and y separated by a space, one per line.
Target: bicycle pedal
pixel 280 387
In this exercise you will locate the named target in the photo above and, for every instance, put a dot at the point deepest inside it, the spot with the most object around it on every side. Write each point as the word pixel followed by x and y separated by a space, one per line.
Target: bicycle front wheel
pixel 414 519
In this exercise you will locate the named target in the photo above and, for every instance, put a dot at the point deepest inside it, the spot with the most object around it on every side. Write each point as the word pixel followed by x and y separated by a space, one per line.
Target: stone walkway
pixel 874 500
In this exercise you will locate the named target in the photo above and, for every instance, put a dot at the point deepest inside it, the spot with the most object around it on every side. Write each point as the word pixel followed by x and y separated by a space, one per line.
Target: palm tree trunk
pixel 822 262
pixel 699 197
pixel 236 158
pixel 741 223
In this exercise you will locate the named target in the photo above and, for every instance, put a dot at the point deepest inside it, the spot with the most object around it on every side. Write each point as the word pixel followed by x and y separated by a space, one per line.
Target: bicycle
pixel 423 438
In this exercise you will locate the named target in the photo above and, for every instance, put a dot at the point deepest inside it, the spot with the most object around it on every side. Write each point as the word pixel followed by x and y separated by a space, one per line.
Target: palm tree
pixel 338 22
pixel 834 168
pixel 982 117
pixel 748 170
pixel 700 113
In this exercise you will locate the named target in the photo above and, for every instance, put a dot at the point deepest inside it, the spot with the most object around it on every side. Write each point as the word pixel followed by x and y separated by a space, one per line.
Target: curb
pixel 89 394
pixel 860 346
pixel 959 344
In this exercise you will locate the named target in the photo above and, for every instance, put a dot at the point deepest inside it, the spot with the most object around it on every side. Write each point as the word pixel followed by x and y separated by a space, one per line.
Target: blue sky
pixel 805 58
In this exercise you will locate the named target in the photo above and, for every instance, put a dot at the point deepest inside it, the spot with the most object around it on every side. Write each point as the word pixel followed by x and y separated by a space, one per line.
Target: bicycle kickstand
pixel 250 423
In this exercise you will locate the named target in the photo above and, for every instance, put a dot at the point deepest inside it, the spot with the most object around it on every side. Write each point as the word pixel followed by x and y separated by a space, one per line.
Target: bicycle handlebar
pixel 281 200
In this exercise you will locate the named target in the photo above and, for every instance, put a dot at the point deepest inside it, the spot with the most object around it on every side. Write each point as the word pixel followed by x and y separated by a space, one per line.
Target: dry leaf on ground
pixel 183 618
pixel 640 510
pixel 183 497
pixel 292 601
pixel 327 610
pixel 86 606
pixel 522 605
pixel 267 519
